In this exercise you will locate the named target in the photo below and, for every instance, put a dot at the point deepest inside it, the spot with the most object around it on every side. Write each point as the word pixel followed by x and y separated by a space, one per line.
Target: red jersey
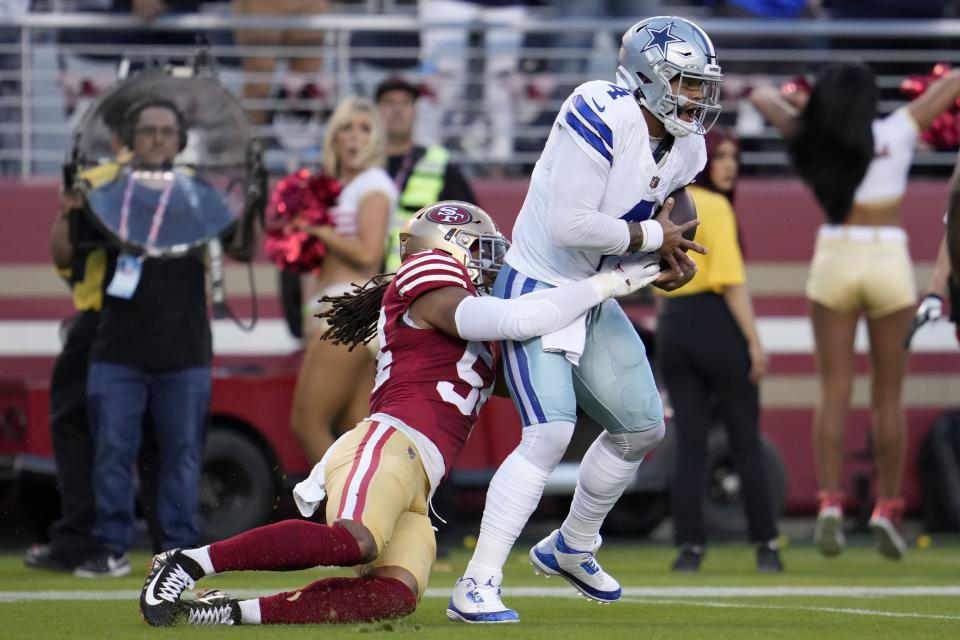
pixel 433 382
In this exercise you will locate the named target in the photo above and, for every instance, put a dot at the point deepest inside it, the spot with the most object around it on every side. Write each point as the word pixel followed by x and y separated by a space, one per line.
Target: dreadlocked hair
pixel 353 316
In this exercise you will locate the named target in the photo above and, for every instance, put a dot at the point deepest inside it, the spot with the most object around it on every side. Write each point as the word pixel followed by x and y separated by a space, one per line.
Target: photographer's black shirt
pixel 165 325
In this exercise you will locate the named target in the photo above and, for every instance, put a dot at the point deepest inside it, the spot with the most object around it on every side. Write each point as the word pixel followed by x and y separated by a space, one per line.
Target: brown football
pixel 684 210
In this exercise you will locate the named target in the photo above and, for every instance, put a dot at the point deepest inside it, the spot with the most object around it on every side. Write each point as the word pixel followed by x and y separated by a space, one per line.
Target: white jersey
pixel 344 213
pixel 607 125
pixel 894 139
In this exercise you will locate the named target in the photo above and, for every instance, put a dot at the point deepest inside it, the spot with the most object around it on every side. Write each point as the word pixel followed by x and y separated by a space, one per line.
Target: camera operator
pixel 151 352
pixel 70 539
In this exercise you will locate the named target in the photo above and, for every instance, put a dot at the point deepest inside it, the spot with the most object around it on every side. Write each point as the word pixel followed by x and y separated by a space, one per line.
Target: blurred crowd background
pixel 492 72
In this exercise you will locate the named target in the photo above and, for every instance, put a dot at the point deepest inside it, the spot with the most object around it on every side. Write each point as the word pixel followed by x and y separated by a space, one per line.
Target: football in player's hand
pixel 684 210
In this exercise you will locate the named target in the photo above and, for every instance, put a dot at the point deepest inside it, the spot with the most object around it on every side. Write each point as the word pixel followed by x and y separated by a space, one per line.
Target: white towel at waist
pixel 569 340
pixel 309 493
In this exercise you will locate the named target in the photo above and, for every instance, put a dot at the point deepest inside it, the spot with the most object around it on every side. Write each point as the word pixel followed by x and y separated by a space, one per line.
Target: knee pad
pixel 542 445
pixel 632 446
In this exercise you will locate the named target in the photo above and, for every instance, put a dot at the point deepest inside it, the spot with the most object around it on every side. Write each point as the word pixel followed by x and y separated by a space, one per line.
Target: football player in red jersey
pixel 435 369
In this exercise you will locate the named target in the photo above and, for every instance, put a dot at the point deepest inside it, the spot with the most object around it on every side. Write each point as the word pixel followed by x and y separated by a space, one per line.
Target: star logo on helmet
pixel 660 39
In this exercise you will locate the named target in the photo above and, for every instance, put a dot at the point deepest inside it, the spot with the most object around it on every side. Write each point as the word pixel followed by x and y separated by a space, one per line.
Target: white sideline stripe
pixel 780 335
pixel 786 592
pixel 684 595
pixel 848 611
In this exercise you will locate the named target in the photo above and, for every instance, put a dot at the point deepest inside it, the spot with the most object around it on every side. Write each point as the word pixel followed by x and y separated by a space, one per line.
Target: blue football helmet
pixel 660 50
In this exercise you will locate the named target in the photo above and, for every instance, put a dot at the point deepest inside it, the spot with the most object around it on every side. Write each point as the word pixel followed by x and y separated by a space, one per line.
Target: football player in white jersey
pixel 616 151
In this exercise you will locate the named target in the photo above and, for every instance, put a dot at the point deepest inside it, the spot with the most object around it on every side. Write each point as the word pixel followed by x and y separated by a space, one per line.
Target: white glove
pixel 623 275
pixel 930 309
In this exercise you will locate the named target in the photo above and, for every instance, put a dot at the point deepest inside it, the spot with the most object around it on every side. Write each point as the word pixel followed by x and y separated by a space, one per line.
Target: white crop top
pixel 344 213
pixel 894 138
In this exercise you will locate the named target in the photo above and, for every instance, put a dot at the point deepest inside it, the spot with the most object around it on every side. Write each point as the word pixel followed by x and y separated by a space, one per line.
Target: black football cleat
pixel 171 573
pixel 46 556
pixel 211 607
pixel 768 558
pixel 689 558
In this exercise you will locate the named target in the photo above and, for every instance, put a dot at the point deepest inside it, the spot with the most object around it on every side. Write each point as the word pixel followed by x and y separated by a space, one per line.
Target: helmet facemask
pixel 463 230
pixel 664 56
pixel 482 254
pixel 670 107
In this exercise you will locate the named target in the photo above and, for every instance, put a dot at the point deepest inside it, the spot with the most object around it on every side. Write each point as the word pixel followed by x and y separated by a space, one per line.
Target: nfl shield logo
pixel 654 181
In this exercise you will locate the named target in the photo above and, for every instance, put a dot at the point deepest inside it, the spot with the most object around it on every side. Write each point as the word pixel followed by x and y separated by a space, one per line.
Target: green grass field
pixel 855 596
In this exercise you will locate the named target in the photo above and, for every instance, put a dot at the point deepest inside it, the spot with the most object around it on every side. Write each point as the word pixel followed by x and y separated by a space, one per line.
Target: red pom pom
pixel 305 199
pixel 796 84
pixel 944 131
pixel 913 86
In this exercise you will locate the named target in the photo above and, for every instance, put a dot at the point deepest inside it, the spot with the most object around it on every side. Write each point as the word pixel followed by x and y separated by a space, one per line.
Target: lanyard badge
pixel 126 277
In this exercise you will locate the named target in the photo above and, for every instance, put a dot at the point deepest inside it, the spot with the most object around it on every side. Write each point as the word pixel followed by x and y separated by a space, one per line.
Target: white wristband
pixel 652 236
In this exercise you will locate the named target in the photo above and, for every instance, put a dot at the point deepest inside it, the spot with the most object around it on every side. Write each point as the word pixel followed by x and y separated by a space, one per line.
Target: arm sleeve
pixel 534 314
pixel 577 184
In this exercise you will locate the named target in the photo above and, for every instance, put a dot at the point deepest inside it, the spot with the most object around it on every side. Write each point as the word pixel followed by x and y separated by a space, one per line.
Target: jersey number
pixel 465 371
pixel 617 92
pixel 384 358
pixel 477 396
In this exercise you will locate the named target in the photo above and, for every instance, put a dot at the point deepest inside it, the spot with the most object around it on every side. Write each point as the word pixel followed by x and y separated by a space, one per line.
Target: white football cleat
pixel 828 532
pixel 884 523
pixel 479 603
pixel 552 557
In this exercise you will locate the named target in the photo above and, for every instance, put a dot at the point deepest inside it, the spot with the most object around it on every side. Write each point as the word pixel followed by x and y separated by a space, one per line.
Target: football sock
pixel 828 499
pixel 890 508
pixel 481 573
pixel 201 555
pixel 603 477
pixel 342 600
pixel 513 495
pixel 286 546
pixel 250 611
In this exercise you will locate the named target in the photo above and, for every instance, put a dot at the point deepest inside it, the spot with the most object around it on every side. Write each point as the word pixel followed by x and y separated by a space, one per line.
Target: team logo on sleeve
pixel 449 215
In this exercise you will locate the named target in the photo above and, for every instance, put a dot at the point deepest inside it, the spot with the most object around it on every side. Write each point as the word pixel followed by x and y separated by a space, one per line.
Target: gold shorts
pixel 862 268
pixel 375 477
